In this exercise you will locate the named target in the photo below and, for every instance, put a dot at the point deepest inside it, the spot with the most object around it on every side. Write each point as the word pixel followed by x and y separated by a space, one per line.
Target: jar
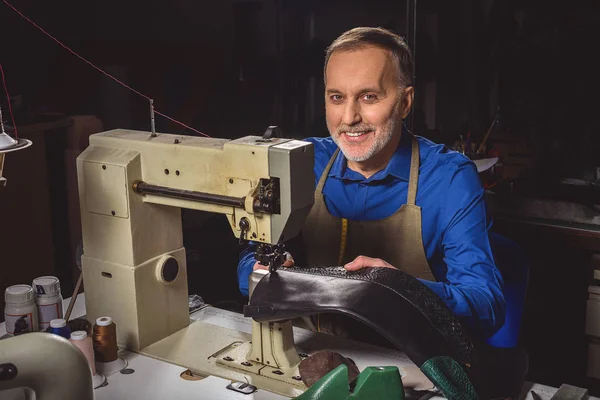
pixel 59 327
pixel 20 310
pixel 48 299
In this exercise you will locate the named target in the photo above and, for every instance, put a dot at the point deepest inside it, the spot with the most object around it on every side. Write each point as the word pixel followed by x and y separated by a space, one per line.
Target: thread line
pixel 8 101
pixel 97 68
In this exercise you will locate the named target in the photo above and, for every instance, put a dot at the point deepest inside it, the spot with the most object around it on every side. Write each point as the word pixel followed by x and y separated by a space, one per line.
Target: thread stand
pixel 152 126
pixel 98 380
pixel 111 367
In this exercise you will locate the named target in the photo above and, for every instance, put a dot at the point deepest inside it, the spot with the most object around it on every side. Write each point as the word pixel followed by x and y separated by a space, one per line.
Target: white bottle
pixel 20 310
pixel 49 300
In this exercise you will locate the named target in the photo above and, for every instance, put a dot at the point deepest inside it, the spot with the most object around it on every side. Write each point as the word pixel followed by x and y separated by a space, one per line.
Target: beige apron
pixel 397 239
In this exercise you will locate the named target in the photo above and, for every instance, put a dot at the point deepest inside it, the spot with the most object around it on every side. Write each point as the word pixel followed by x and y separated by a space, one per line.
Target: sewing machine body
pixel 132 186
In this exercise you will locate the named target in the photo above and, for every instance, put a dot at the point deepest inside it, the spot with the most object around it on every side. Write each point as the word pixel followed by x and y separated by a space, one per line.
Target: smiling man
pixel 387 198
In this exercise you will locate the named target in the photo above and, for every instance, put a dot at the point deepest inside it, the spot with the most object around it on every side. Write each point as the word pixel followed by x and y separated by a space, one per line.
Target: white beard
pixel 356 152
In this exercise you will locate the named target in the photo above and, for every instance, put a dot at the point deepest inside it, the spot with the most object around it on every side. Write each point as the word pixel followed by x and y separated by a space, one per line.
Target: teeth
pixel 355 134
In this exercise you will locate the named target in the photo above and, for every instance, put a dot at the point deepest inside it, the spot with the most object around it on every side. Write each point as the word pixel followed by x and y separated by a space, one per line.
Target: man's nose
pixel 351 113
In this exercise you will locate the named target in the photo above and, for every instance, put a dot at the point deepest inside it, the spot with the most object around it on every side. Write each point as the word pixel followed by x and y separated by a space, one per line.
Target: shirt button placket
pixel 360 203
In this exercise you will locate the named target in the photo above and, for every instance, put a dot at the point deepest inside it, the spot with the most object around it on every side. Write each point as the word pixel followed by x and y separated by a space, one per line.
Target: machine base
pixel 214 333
pixel 200 346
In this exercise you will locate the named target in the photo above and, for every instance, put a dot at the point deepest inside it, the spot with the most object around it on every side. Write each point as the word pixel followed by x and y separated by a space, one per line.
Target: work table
pixel 154 379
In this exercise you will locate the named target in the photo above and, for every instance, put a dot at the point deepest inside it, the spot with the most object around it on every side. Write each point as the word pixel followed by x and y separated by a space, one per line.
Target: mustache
pixel 354 128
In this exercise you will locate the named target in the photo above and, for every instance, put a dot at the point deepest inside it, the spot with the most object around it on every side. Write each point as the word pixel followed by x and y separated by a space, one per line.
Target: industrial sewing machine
pixel 132 186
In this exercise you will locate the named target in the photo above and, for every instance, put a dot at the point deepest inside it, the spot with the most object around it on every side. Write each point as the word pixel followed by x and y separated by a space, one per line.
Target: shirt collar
pixel 399 165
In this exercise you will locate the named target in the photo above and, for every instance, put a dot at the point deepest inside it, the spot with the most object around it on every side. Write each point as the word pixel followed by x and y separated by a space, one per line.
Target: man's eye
pixel 336 98
pixel 369 97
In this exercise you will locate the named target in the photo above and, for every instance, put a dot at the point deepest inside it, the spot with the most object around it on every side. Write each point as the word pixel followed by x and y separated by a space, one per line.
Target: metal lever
pixel 244 227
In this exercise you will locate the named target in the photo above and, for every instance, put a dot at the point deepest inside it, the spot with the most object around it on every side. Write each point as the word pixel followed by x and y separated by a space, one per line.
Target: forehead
pixel 354 69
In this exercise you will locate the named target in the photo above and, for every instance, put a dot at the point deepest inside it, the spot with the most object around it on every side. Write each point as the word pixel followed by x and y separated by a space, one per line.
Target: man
pixel 401 200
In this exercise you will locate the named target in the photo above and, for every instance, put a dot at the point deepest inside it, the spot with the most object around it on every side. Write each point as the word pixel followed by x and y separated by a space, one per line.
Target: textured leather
pixel 398 307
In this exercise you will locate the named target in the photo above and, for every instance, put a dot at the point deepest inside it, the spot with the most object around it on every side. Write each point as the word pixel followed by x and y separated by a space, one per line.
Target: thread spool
pixel 105 347
pixel 105 340
pixel 84 343
pixel 59 327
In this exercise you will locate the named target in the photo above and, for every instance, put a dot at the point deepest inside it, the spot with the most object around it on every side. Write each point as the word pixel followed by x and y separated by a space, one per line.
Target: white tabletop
pixel 154 379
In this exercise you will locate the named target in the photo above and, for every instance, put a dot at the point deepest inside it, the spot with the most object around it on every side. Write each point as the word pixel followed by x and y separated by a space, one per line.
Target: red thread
pixel 8 100
pixel 103 72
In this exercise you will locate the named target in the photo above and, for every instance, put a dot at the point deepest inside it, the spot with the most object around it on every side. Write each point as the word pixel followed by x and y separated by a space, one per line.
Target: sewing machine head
pixel 132 186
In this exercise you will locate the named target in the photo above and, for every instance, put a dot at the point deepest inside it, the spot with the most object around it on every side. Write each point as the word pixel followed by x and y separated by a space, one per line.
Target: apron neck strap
pixel 325 173
pixel 414 173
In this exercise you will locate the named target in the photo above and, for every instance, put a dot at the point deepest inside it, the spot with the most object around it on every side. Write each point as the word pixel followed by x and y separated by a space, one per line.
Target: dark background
pixel 231 68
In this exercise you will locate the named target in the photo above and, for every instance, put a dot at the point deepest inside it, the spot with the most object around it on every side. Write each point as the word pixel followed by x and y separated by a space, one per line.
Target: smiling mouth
pixel 356 134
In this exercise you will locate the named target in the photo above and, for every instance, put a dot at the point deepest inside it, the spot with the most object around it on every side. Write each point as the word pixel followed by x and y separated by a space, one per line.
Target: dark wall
pixel 231 68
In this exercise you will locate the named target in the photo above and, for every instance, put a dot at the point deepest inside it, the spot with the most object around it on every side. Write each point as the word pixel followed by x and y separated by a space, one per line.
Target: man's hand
pixel 289 262
pixel 363 261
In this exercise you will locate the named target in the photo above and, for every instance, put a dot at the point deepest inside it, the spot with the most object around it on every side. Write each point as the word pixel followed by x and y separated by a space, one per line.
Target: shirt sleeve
pixel 473 286
pixel 245 267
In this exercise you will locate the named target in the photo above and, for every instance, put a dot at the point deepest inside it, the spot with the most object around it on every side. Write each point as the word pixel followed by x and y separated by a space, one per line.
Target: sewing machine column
pixel 142 287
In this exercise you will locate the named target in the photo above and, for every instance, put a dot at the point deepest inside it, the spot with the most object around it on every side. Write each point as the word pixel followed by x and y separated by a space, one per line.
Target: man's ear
pixel 407 101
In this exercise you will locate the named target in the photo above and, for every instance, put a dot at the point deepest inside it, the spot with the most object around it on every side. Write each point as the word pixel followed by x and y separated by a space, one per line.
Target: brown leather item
pixel 396 239
pixel 320 364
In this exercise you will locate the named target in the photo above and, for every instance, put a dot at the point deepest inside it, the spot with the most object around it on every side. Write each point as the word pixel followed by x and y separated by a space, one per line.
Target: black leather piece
pixel 398 307
pixel 395 304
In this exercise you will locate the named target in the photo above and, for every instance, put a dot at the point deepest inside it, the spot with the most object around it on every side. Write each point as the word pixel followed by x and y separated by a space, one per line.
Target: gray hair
pixel 361 37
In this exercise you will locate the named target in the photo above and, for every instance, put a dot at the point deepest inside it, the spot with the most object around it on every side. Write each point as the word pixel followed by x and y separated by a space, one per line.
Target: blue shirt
pixel 454 222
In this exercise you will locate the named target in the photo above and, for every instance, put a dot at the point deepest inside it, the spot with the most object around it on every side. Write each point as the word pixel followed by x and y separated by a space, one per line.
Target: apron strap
pixel 321 184
pixel 414 173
